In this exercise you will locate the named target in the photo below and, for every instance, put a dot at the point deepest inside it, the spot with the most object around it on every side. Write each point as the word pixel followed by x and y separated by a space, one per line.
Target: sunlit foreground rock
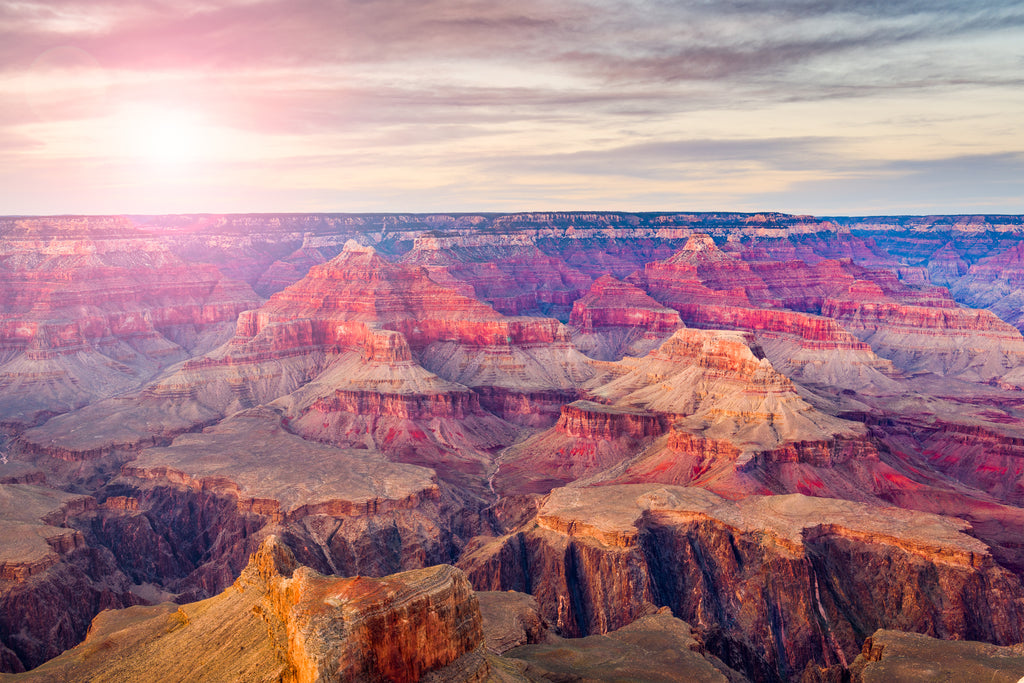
pixel 284 622
pixel 279 621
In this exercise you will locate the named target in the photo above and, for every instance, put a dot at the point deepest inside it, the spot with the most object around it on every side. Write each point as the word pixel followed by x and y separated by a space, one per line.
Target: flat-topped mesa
pixel 283 621
pixel 617 318
pixel 30 531
pixel 51 582
pixel 589 420
pixel 890 655
pixel 617 515
pixel 252 458
pixel 819 563
pixel 213 494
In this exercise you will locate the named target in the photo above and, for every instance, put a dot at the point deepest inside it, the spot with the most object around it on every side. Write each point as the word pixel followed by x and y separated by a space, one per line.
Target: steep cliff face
pixel 281 621
pixel 771 583
pixel 387 314
pixel 51 582
pixel 588 438
pixel 807 346
pixel 377 414
pixel 616 319
pixel 384 400
pixel 732 422
pixel 200 506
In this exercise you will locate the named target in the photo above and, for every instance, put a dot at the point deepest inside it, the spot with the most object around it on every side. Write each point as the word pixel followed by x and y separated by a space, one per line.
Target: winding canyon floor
pixel 529 447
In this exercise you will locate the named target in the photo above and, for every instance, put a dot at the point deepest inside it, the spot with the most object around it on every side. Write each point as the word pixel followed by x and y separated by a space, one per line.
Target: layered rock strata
pixel 771 583
pixel 86 317
pixel 517 279
pixel 281 621
pixel 616 319
pixel 248 476
pixel 51 582
pixel 731 421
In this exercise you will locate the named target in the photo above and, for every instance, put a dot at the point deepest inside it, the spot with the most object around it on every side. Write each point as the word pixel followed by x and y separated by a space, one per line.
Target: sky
pixel 851 107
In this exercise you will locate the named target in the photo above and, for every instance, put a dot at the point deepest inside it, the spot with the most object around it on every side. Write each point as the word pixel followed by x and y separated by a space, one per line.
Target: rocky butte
pixel 511 447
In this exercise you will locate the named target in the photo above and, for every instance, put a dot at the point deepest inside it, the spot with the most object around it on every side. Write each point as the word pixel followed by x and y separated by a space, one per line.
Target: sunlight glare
pixel 168 138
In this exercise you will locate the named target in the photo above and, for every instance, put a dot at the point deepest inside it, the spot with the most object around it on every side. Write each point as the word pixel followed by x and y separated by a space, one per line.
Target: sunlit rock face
pixel 282 621
pixel 758 438
pixel 825 572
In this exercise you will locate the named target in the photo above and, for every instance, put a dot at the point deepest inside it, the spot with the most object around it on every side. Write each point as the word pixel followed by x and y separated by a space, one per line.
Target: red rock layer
pixel 615 256
pixel 811 331
pixel 360 287
pixel 516 280
pixel 616 318
pixel 585 419
pixel 397 628
pixel 929 333
pixel 612 303
pixel 81 319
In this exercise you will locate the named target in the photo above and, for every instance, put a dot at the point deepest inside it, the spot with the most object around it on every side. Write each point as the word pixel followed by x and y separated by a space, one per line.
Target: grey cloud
pixel 677 159
pixel 983 183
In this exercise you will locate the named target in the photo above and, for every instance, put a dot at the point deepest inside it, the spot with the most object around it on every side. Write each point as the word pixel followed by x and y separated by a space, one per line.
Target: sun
pixel 168 137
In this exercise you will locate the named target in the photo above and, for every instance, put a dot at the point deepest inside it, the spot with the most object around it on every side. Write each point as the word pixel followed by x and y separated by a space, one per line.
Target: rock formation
pixel 86 317
pixel 409 395
pixel 616 319
pixel 282 621
pixel 51 582
pixel 912 657
pixel 771 583
pixel 516 278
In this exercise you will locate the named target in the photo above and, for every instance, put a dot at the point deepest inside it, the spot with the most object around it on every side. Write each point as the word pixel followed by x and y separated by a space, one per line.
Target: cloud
pixel 532 96
pixel 678 159
pixel 978 183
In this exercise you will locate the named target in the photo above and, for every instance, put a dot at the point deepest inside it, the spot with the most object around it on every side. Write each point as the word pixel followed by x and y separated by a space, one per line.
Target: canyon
pixel 511 447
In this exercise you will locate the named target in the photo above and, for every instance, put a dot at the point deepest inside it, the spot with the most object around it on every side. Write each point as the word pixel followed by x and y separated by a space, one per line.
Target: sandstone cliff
pixel 771 583
pixel 281 621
